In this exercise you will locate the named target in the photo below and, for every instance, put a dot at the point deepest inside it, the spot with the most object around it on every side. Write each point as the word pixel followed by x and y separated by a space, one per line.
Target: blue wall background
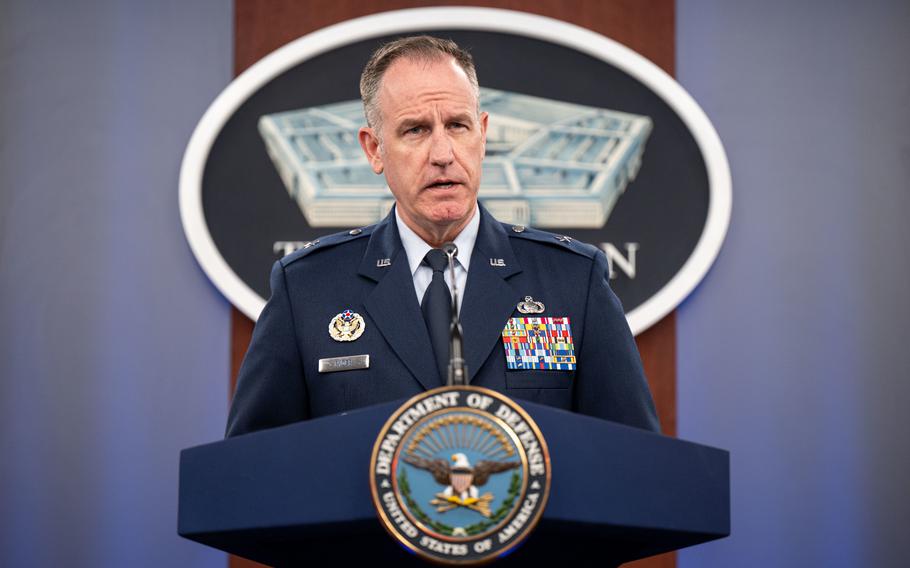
pixel 114 346
pixel 792 352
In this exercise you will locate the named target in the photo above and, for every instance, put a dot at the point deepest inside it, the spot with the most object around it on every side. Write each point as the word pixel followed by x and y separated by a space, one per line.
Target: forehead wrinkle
pixel 420 113
pixel 408 99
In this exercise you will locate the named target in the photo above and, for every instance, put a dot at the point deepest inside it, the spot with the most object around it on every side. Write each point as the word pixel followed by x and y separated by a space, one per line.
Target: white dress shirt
pixel 416 249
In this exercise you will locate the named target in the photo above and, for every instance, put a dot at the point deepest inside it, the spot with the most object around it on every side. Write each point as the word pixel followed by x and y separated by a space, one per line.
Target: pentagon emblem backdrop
pixel 586 138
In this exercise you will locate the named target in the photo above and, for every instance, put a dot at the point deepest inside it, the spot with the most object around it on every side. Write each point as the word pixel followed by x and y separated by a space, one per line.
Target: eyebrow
pixel 462 117
pixel 410 122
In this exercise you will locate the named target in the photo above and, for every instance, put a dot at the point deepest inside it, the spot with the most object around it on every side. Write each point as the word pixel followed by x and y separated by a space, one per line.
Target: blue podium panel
pixel 300 493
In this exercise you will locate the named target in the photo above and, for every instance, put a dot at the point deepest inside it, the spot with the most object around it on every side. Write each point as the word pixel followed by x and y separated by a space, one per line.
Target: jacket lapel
pixel 489 299
pixel 393 306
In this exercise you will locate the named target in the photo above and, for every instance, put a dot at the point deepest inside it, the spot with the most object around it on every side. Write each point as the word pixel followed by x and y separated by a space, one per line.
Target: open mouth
pixel 442 184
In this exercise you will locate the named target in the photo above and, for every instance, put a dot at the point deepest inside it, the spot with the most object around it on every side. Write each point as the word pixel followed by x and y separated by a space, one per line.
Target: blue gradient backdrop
pixel 114 345
pixel 792 352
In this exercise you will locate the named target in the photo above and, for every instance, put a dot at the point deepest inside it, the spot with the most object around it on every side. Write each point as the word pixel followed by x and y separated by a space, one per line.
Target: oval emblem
pixel 460 475
pixel 609 149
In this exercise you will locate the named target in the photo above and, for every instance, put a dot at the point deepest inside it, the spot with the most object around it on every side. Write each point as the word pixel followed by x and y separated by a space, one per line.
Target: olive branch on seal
pixel 470 530
pixel 405 487
pixel 501 512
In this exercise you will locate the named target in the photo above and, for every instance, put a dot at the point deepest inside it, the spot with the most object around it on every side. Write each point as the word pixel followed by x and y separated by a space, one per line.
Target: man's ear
pixel 484 118
pixel 370 144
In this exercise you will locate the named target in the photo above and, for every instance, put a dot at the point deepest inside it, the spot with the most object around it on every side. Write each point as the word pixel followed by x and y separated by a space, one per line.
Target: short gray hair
pixel 421 48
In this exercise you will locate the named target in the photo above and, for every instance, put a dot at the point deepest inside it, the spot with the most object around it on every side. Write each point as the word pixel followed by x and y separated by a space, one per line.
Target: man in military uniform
pixel 348 323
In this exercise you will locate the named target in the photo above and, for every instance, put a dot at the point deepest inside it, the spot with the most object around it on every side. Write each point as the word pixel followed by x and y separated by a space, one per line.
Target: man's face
pixel 432 143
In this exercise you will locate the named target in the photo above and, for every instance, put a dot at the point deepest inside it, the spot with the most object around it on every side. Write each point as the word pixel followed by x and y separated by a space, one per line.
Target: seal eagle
pixel 461 479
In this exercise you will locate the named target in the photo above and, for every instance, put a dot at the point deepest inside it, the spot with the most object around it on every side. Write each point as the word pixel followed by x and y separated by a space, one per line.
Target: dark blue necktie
pixel 437 310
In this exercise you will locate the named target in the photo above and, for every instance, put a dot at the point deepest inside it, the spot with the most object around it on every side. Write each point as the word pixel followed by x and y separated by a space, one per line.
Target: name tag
pixel 351 363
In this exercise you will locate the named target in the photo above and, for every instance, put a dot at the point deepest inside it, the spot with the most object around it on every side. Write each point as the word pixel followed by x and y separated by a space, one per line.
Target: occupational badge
pixel 530 306
pixel 346 326
pixel 460 475
pixel 539 343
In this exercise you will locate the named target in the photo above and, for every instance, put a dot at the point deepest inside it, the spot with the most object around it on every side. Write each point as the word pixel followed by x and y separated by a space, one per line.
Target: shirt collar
pixel 416 248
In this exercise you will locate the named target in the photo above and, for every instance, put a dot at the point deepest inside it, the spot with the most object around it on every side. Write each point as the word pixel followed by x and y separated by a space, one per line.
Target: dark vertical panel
pixel 646 26
pixel 657 346
pixel 241 335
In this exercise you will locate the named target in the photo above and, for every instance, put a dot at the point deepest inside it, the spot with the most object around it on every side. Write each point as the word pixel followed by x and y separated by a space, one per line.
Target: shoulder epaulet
pixel 328 241
pixel 564 242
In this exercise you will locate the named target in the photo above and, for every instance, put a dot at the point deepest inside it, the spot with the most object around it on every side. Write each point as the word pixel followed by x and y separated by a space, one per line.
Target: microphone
pixel 458 370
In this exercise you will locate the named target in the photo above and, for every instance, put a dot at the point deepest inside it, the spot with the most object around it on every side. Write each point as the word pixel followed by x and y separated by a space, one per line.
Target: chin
pixel 449 213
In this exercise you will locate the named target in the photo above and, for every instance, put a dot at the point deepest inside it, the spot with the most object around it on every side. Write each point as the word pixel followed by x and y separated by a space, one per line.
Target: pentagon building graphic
pixel 548 163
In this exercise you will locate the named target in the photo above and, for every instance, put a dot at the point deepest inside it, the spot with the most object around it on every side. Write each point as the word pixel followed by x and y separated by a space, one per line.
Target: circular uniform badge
pixel 346 326
pixel 460 475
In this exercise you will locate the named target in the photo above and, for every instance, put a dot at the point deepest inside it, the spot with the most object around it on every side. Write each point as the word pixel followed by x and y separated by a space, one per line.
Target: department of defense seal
pixel 460 475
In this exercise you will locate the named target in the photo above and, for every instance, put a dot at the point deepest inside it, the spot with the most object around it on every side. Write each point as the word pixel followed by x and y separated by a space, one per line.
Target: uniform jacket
pixel 279 382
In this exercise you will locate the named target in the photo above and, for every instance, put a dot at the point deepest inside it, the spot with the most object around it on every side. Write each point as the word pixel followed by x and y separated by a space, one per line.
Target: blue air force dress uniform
pixel 366 271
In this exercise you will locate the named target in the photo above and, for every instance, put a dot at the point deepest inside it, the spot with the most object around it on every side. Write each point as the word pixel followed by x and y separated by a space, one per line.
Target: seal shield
pixel 460 475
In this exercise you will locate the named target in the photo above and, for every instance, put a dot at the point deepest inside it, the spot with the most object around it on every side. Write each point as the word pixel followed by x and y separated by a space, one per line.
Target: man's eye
pixel 458 126
pixel 414 130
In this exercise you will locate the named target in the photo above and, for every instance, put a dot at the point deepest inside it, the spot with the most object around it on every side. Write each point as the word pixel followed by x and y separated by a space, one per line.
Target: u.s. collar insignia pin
pixel 346 326
pixel 530 306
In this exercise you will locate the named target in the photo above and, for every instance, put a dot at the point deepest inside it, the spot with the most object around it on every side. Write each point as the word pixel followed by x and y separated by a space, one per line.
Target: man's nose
pixel 441 151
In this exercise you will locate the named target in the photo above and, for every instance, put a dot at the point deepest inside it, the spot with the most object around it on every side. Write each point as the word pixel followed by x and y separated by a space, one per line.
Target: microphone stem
pixel 458 371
